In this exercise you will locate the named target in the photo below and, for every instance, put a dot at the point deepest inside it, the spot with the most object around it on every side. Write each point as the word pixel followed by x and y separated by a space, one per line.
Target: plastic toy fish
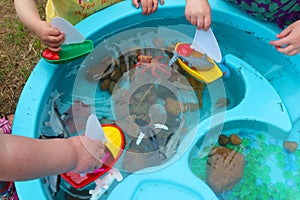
pixel 102 184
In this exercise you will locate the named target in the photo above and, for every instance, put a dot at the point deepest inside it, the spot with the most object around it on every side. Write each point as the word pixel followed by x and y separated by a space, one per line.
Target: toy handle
pixel 94 129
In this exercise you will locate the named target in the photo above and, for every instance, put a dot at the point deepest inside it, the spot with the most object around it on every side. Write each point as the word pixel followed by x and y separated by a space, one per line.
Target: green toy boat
pixel 68 52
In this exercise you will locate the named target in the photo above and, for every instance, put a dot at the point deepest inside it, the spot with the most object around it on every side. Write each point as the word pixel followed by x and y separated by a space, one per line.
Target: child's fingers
pixel 294 52
pixel 285 32
pixel 144 4
pixel 193 20
pixel 154 6
pixel 279 43
pixel 54 44
pixel 149 7
pixel 200 23
pixel 54 49
pixel 55 41
pixel 288 50
pixel 136 3
pixel 162 2
pixel 54 32
pixel 207 22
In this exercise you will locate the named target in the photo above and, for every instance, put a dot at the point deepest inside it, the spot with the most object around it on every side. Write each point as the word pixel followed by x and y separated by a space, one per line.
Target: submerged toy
pixel 103 184
pixel 148 131
pixel 113 138
pixel 154 65
pixel 73 47
pixel 198 59
pixel 56 120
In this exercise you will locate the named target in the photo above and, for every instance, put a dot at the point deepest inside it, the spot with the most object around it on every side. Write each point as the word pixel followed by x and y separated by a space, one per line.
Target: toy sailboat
pixel 73 47
pixel 113 138
pixel 198 59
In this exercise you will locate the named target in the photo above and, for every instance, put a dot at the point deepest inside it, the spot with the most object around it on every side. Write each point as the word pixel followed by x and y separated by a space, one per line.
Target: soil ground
pixel 19 53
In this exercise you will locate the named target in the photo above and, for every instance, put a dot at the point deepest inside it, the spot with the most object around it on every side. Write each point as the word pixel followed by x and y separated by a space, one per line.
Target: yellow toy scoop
pixel 197 64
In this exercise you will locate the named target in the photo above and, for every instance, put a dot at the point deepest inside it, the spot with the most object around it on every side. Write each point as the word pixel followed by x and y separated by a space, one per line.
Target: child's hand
pixel 50 36
pixel 288 40
pixel 148 6
pixel 89 154
pixel 197 12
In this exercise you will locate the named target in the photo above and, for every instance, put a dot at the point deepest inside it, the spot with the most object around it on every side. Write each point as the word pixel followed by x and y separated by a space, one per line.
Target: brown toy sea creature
pixel 225 168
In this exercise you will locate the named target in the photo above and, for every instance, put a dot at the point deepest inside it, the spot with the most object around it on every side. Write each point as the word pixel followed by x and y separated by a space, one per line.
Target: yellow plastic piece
pixel 115 139
pixel 207 76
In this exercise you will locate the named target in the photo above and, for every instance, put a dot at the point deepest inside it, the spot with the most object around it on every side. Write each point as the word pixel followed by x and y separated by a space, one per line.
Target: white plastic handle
pixel 94 129
pixel 205 42
pixel 72 35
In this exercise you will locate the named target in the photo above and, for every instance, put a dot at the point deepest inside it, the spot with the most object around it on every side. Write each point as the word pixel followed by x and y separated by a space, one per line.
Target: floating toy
pixel 198 59
pixel 113 138
pixel 73 47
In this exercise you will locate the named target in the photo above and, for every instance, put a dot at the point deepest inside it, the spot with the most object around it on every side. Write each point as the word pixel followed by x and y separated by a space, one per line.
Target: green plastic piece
pixel 71 52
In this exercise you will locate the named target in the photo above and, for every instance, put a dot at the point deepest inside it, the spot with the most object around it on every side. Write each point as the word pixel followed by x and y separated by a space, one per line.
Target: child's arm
pixel 148 6
pixel 27 158
pixel 28 13
pixel 288 40
pixel 198 13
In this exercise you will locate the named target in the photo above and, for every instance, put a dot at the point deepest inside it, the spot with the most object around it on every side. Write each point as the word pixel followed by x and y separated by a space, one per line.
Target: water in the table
pixel 276 69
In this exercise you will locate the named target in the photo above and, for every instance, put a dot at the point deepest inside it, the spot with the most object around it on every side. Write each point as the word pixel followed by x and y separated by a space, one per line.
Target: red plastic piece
pixel 50 55
pixel 184 49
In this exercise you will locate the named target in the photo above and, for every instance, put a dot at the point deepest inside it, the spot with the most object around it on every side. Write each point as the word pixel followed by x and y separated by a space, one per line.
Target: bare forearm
pixel 28 13
pixel 26 158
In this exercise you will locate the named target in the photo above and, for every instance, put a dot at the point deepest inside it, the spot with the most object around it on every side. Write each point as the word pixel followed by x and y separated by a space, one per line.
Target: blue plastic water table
pixel 263 87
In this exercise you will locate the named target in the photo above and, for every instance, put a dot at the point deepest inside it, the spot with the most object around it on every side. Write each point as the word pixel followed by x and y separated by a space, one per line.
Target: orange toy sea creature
pixel 153 64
